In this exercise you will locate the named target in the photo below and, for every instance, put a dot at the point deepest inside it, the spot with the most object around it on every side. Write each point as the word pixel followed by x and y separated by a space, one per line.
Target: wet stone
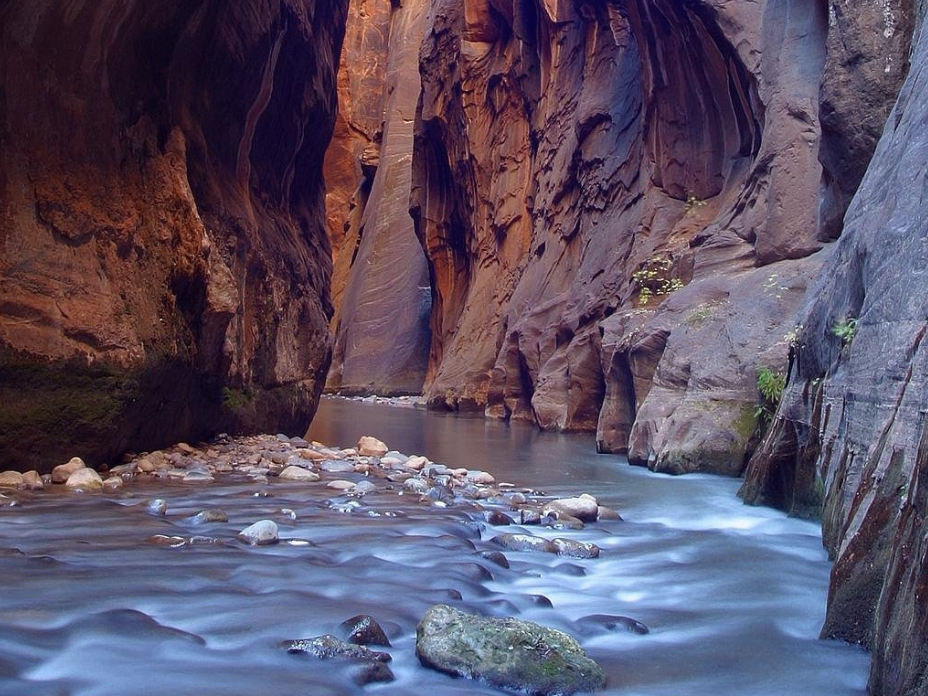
pixel 210 515
pixel 336 466
pixel 496 518
pixel 261 533
pixel 607 622
pixel 328 647
pixel 575 549
pixel 524 542
pixel 296 473
pixel 157 506
pixel 496 557
pixel 364 630
pixel 373 673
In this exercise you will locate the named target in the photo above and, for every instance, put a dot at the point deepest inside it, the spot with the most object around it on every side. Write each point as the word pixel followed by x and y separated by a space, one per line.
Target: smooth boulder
pixel 371 447
pixel 261 533
pixel 85 480
pixel 505 653
pixel 298 473
pixel 62 472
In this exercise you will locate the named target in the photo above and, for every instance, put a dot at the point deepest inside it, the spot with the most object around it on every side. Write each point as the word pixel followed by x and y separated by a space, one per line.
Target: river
pixel 734 596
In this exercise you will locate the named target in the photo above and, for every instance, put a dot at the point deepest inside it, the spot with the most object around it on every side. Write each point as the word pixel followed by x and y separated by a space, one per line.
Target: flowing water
pixel 734 596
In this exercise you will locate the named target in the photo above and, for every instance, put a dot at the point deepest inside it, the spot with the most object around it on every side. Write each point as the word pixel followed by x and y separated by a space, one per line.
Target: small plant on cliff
pixel 770 384
pixel 692 205
pixel 655 278
pixel 845 329
pixel 235 399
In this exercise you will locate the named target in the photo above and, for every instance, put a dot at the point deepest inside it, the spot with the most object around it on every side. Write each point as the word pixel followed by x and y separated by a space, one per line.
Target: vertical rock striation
pixel 165 265
pixel 851 431
pixel 381 284
pixel 563 147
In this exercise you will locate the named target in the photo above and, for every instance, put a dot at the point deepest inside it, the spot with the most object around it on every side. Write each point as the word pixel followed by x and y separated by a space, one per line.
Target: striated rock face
pixel 562 147
pixel 165 266
pixel 850 431
pixel 381 283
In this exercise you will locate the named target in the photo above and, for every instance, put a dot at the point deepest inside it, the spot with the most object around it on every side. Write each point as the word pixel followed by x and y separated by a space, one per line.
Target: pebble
pixel 371 447
pixel 296 473
pixel 336 466
pixel 364 630
pixel 210 515
pixel 261 533
pixel 11 479
pixel 584 507
pixel 113 483
pixel 62 472
pixel 85 480
pixel 33 481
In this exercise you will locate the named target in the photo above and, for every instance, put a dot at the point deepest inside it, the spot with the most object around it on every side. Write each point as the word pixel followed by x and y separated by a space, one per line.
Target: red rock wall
pixel 557 146
pixel 381 283
pixel 165 264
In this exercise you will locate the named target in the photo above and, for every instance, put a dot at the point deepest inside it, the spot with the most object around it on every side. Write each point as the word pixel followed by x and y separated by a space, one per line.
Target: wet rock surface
pixel 161 215
pixel 506 653
pixel 848 440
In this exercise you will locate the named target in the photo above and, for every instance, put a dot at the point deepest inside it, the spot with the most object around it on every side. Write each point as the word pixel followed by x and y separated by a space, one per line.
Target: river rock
pixel 328 646
pixel 364 486
pixel 210 515
pixel 364 630
pixel 505 653
pixel 371 447
pixel 61 472
pixel 496 557
pixel 575 549
pixel 610 623
pixel 11 479
pixel 198 475
pixel 524 542
pixel 33 481
pixel 297 473
pixel 113 483
pixel 261 533
pixel 481 478
pixel 340 485
pixel 496 518
pixel 85 480
pixel 157 506
pixel 416 463
pixel 605 513
pixel 165 540
pixel 584 508
pixel 336 466
pixel 373 673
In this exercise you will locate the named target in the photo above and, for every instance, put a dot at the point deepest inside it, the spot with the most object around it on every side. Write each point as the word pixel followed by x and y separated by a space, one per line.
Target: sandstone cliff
pixel 165 265
pixel 381 282
pixel 622 204
pixel 850 432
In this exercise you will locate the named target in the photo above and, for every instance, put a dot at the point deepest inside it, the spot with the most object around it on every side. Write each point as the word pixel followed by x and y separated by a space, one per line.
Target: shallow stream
pixel 734 596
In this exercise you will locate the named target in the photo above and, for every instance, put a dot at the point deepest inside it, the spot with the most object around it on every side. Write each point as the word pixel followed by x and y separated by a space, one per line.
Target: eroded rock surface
pixel 561 148
pixel 381 280
pixel 850 437
pixel 165 265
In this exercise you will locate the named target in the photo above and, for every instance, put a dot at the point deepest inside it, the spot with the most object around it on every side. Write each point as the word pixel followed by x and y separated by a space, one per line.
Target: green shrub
pixel 655 278
pixel 845 329
pixel 770 384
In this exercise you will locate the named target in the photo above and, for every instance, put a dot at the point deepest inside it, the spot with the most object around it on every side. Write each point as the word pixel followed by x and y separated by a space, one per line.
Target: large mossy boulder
pixel 505 653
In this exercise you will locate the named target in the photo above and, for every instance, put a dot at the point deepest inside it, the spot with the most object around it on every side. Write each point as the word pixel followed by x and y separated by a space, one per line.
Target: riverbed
pixel 733 596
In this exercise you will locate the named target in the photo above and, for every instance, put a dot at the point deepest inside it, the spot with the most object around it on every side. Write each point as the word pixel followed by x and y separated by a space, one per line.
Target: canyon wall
pixel 165 265
pixel 380 285
pixel 851 428
pixel 623 203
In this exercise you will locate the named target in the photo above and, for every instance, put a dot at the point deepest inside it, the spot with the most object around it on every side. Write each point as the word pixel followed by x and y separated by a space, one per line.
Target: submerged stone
pixel 505 653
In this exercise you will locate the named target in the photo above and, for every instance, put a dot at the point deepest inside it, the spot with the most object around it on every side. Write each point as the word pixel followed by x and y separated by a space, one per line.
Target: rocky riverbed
pixel 207 560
